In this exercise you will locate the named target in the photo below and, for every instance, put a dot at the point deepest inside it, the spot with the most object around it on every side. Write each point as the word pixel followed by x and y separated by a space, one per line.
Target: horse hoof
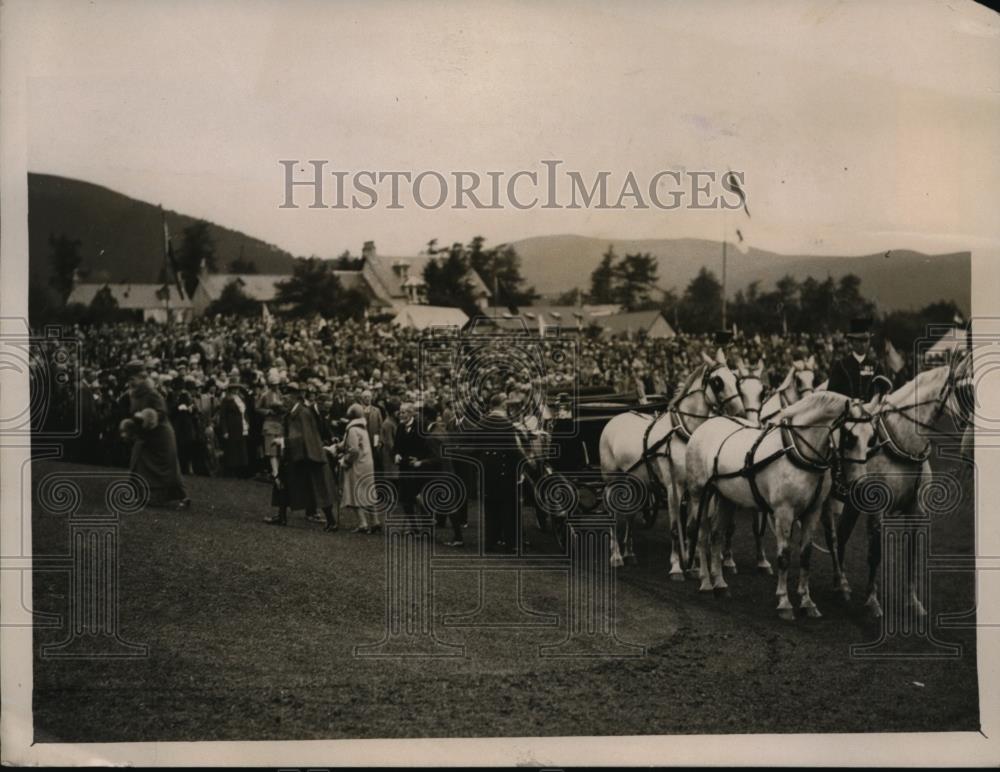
pixel 617 562
pixel 721 592
pixel 677 576
pixel 706 588
pixel 874 609
pixel 765 570
pixel 812 612
pixel 787 614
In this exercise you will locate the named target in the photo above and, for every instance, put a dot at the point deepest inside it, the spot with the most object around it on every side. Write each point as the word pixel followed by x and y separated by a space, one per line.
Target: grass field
pixel 251 631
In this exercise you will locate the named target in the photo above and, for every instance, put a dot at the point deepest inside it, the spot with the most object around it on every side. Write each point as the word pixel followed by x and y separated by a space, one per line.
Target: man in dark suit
pixel 859 374
pixel 500 459
pixel 412 453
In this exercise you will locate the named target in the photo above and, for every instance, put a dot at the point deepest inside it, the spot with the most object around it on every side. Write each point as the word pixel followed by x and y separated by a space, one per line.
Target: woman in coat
pixel 359 471
pixel 154 454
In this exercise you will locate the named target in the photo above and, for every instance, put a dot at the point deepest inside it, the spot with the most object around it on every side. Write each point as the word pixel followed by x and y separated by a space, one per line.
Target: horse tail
pixel 708 493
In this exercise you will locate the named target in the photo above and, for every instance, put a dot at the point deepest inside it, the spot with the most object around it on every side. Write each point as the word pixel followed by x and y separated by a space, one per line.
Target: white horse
pixel 797 384
pixel 652 447
pixel 898 464
pixel 783 468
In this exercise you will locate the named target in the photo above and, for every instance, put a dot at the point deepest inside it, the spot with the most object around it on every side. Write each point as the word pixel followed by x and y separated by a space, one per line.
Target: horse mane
pixel 819 399
pixel 908 391
pixel 681 390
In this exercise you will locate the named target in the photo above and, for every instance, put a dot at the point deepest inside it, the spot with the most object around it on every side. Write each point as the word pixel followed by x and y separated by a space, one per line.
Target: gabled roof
pixel 633 321
pixel 132 296
pixel 420 317
pixel 258 286
pixel 392 282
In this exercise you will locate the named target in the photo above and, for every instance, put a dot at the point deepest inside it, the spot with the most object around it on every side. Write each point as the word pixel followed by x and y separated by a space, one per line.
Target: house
pixel 399 281
pixel 151 302
pixel 420 317
pixel 258 286
pixel 627 324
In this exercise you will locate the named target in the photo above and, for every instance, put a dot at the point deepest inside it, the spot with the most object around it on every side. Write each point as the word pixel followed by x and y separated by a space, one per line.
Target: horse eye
pixel 716 384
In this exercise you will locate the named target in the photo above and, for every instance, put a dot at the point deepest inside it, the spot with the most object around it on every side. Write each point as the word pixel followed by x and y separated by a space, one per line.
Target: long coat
pixel 359 466
pixel 388 446
pixel 154 454
pixel 234 441
pixel 310 481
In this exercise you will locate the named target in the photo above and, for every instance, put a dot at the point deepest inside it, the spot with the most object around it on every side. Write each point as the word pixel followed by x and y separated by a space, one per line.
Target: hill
pixel 121 237
pixel 903 280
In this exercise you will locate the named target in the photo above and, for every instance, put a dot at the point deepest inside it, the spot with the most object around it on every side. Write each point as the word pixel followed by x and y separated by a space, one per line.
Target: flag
pixel 958 319
pixel 734 184
pixel 893 359
pixel 736 330
pixel 265 314
pixel 163 293
pixel 541 324
pixel 170 263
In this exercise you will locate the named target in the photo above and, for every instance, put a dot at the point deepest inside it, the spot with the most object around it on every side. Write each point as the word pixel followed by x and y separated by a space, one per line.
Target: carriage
pixel 568 454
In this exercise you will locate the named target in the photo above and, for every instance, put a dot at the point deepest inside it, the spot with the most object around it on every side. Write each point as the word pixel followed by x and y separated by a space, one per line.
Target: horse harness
pixel 816 460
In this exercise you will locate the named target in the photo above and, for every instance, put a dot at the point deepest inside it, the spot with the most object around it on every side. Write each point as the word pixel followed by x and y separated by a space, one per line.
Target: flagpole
pixel 723 283
pixel 166 262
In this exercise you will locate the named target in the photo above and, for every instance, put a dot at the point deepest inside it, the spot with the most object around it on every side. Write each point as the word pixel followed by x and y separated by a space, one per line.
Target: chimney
pixel 368 251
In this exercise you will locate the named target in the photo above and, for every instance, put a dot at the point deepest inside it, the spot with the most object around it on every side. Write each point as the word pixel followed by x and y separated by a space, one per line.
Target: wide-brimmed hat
pixel 135 367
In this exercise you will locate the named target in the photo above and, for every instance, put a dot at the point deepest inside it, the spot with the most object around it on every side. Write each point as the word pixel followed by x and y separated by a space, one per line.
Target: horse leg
pixel 760 524
pixel 874 561
pixel 727 548
pixel 723 519
pixel 616 555
pixel 831 512
pixel 629 553
pixel 704 501
pixel 805 559
pixel 783 530
pixel 677 553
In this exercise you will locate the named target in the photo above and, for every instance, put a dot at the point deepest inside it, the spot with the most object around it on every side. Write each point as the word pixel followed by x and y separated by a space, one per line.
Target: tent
pixel 420 317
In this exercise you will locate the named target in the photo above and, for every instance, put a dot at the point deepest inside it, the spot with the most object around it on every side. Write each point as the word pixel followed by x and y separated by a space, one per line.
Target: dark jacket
pixel 305 431
pixel 858 380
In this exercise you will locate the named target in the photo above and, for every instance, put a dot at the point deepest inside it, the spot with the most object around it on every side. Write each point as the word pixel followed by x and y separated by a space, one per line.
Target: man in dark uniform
pixel 500 458
pixel 412 453
pixel 858 375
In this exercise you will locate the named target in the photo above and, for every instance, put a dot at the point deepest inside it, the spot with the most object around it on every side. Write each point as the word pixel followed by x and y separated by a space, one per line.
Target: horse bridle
pixel 712 383
pixel 740 380
pixel 939 402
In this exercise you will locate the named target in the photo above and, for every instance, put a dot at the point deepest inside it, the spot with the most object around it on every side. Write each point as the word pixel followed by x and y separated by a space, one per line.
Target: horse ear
pixel 707 359
pixel 811 361
pixel 720 357
pixel 759 369
pixel 788 380
pixel 741 365
pixel 798 364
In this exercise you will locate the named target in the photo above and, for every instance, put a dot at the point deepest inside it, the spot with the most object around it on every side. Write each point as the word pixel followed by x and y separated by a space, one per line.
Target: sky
pixel 859 127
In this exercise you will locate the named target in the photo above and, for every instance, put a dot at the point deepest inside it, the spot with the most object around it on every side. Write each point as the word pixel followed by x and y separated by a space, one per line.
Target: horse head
pixel 719 383
pixel 751 387
pixel 804 375
pixel 857 437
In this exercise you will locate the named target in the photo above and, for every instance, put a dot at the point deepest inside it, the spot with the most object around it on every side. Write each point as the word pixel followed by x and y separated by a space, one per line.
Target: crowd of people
pixel 316 406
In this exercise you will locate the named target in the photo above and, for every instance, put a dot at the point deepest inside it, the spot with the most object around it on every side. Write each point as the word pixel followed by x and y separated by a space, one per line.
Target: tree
pixel 65 258
pixel 818 306
pixel 448 284
pixel 345 262
pixel 602 278
pixel 240 265
pixel 849 301
pixel 314 288
pixel 701 305
pixel 197 249
pixel 498 267
pixel 635 277
pixel 103 308
pixel 233 301
pixel 573 297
